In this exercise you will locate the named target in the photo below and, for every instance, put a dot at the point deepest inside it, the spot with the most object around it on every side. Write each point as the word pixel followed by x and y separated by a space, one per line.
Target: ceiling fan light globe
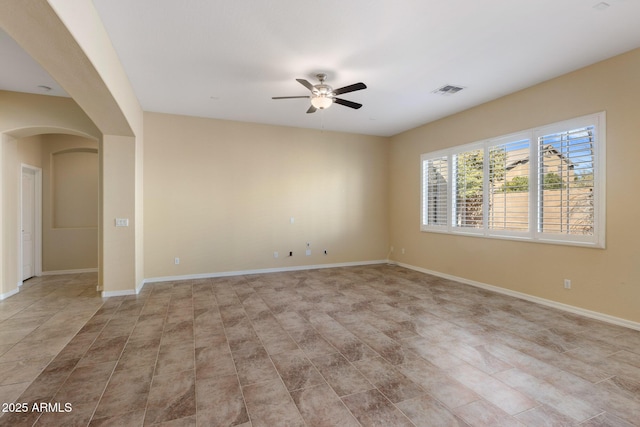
pixel 321 102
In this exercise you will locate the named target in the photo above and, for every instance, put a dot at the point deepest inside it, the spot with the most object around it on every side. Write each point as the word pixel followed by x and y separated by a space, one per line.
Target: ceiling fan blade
pixel 289 97
pixel 305 83
pixel 311 109
pixel 347 103
pixel 350 88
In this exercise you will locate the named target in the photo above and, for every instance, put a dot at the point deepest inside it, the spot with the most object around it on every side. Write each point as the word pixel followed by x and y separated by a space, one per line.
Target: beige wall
pixel 119 191
pixel 25 114
pixel 219 195
pixel 10 214
pixel 30 150
pixel 603 280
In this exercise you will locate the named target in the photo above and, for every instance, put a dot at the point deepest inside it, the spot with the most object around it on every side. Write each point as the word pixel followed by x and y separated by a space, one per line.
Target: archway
pixel 12 160
pixel 69 41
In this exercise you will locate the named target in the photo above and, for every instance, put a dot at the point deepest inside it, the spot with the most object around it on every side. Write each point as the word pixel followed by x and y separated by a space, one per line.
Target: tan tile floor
pixel 371 346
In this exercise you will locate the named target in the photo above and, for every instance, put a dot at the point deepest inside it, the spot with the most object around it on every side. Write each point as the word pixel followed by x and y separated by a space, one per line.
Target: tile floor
pixel 371 346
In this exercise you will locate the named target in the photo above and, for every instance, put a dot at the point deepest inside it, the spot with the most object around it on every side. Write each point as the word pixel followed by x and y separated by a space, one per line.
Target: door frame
pixel 37 172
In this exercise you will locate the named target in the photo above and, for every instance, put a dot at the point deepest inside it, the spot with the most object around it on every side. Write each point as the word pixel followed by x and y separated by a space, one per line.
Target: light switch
pixel 122 222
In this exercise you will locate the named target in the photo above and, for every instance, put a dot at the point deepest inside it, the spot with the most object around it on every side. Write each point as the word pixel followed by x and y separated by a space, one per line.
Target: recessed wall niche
pixel 75 188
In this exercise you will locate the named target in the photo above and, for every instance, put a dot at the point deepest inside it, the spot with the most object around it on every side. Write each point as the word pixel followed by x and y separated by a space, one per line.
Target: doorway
pixel 31 222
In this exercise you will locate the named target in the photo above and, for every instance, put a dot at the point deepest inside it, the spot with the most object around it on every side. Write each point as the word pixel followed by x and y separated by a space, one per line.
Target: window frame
pixel 595 240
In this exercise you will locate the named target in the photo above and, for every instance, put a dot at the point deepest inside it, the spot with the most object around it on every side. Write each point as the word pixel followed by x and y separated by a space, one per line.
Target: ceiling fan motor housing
pixel 322 90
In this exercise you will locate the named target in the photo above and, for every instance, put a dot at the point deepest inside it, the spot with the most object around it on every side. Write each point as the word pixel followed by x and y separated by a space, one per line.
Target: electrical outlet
pixel 567 283
pixel 402 251
pixel 176 260
pixel 275 254
pixel 308 252
pixel 325 252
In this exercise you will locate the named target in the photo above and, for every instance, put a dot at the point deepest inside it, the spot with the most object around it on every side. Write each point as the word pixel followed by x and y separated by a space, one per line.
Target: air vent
pixel 601 6
pixel 448 90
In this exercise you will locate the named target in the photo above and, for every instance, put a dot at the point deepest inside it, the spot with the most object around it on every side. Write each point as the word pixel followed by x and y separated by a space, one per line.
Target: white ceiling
pixel 226 58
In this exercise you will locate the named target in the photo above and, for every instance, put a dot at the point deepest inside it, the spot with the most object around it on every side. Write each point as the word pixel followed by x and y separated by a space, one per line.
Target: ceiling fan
pixel 323 96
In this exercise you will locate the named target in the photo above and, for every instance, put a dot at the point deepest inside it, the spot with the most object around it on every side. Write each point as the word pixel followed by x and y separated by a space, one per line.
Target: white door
pixel 28 224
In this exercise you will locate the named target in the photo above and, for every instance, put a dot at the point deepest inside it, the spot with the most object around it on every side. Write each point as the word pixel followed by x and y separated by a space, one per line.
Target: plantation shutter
pixel 566 182
pixel 468 168
pixel 435 197
pixel 509 165
pixel 545 184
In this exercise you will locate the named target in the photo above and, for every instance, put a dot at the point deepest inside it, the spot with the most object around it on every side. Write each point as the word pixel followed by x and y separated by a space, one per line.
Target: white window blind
pixel 508 204
pixel 468 192
pixel 435 192
pixel 566 182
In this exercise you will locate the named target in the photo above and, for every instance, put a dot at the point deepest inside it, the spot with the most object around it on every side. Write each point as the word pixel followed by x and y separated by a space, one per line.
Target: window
pixel 544 184
pixel 509 185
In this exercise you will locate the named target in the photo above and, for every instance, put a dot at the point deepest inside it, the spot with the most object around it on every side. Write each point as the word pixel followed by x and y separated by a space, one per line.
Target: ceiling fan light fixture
pixel 321 102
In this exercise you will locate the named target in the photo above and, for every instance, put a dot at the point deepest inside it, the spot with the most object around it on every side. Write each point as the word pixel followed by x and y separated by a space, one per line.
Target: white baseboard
pixel 542 301
pixel 107 294
pixel 77 271
pixel 259 271
pixel 9 294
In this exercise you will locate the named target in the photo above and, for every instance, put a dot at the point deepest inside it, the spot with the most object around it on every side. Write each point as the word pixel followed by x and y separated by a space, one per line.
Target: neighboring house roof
pixel 548 149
